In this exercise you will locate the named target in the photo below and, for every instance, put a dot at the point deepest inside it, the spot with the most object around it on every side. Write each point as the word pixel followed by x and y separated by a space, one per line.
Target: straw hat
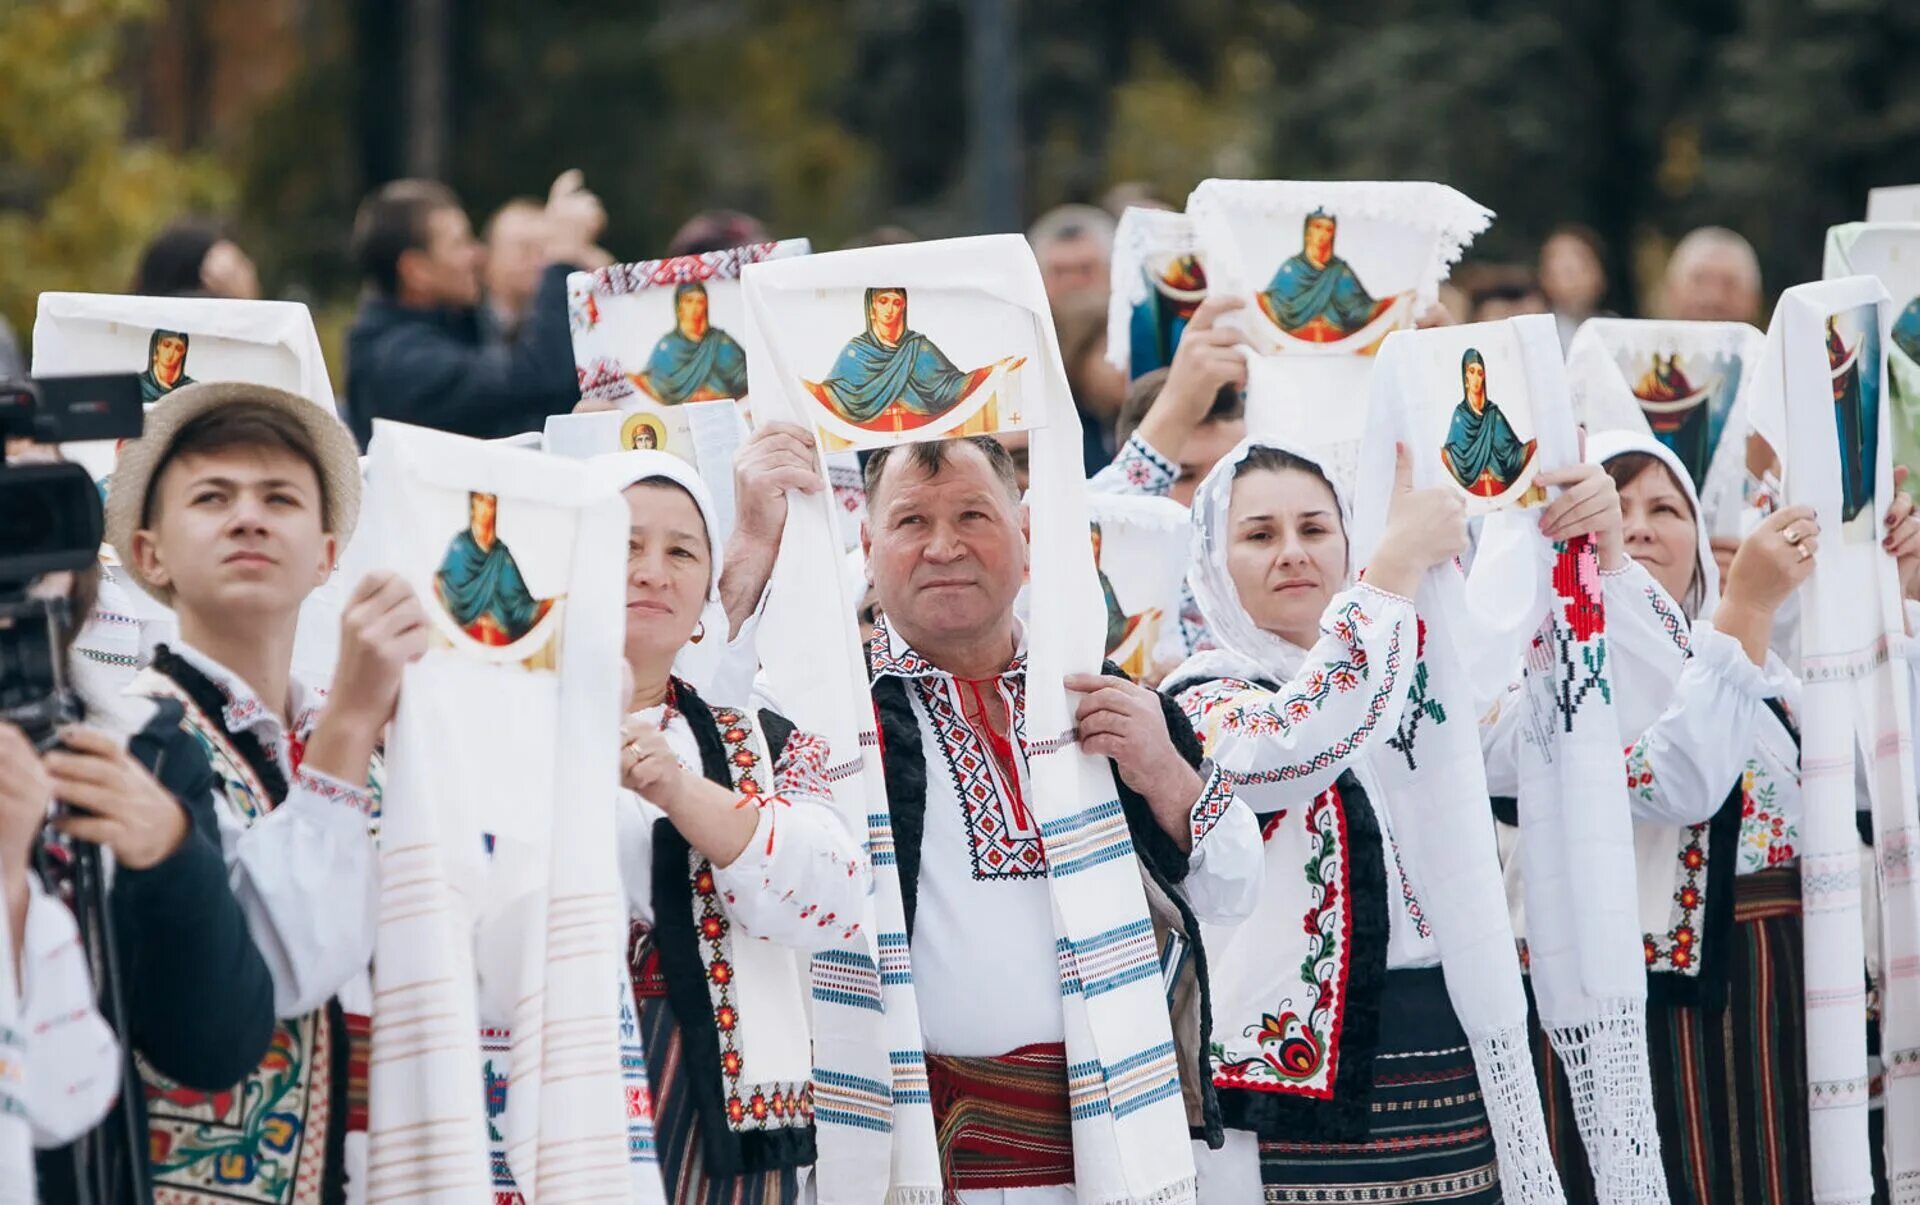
pixel 132 480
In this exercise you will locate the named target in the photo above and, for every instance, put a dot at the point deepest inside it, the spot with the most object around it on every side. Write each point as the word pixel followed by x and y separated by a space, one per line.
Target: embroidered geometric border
pixel 852 1100
pixel 1106 961
pixel 1087 839
pixel 1215 798
pixel 909 1078
pixel 846 977
pixel 996 851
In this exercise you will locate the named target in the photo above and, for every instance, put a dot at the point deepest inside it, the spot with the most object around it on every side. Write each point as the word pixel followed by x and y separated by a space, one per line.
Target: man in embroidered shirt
pixel 231 509
pixel 947 550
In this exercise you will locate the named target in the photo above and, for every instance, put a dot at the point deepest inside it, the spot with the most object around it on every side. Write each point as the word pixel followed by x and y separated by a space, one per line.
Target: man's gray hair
pixel 1067 222
pixel 932 457
pixel 1708 239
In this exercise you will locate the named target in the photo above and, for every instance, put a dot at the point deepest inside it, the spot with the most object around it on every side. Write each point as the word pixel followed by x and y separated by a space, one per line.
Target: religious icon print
pixel 1853 359
pixel 1685 397
pixel 919 364
pixel 1478 415
pixel 1890 252
pixel 479 582
pixel 695 361
pixel 892 377
pixel 1140 546
pixel 665 332
pixel 1314 295
pixel 166 368
pixel 483 598
pixel 1159 280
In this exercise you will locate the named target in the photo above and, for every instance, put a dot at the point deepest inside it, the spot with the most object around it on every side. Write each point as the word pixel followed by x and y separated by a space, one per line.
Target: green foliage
pixel 78 198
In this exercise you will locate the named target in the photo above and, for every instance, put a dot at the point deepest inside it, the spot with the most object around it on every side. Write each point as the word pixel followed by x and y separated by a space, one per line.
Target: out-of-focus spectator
pixel 516 239
pixel 1713 276
pixel 882 236
pixel 1080 322
pixel 194 258
pixel 1074 244
pixel 416 351
pixel 1573 276
pixel 1453 299
pixel 717 230
pixel 12 364
pixel 1496 291
pixel 1131 194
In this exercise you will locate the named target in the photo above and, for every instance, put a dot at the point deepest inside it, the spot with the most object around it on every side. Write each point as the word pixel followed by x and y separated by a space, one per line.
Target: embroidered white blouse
pixel 305 873
pixel 1339 712
pixel 983 926
pixel 800 877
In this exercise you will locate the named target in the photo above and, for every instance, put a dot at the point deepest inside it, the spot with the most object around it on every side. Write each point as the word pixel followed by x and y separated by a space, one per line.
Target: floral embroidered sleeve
pixel 803 880
pixel 1680 769
pixel 1138 469
pixel 1291 743
pixel 306 877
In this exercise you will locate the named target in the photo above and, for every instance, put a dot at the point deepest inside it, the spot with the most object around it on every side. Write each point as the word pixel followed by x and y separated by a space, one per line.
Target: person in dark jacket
pixel 417 351
pixel 198 994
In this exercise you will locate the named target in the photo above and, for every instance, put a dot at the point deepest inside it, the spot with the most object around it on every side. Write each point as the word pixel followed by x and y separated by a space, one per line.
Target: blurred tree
pixel 78 197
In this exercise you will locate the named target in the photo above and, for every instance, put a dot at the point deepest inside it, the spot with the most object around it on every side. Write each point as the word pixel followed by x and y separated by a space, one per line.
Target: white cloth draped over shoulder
pixel 1856 709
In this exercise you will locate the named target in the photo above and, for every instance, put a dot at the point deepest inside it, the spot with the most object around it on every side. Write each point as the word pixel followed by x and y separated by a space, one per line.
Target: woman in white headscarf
pixel 1340 1057
pixel 736 867
pixel 1714 787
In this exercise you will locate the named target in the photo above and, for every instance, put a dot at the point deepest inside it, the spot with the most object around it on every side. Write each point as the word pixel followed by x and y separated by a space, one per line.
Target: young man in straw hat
pixel 231 509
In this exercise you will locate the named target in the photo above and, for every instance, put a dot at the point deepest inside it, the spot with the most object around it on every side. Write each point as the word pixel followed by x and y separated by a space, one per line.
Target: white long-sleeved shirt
pixel 983 897
pixel 801 868
pixel 1283 747
pixel 305 872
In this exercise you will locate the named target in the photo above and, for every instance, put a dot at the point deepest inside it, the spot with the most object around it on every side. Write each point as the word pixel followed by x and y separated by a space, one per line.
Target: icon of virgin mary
pixel 166 365
pixel 1316 295
pixel 693 362
pixel 894 375
pixel 479 582
pixel 1677 411
pixel 1482 451
pixel 1856 419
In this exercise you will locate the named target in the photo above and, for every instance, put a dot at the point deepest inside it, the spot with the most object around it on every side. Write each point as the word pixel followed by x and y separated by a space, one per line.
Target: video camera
pixel 50 522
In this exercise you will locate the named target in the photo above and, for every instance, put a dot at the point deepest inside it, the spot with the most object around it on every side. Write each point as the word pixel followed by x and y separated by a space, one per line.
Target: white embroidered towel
pixel 1328 269
pixel 509 727
pixel 1820 402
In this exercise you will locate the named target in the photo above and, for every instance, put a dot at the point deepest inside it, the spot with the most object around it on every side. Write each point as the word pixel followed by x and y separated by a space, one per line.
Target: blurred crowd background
pixel 1623 123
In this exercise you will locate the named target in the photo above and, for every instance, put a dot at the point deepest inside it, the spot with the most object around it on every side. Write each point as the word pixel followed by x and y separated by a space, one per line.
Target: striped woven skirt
pixel 677 1130
pixel 1003 1122
pixel 1429 1137
pixel 1729 1085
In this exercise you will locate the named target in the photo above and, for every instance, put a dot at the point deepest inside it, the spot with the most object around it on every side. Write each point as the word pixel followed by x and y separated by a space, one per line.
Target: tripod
pixel 102 1175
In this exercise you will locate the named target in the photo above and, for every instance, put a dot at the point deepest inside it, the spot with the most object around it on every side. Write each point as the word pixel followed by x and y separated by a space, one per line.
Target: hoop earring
pixel 699 631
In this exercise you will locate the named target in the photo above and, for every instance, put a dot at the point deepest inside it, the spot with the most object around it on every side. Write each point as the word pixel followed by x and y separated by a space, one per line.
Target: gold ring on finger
pixel 1806 553
pixel 1792 534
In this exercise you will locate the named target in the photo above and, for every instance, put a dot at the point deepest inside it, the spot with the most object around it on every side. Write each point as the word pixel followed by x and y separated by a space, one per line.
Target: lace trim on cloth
pixel 1609 1078
pixel 1453 217
pixel 1504 1062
